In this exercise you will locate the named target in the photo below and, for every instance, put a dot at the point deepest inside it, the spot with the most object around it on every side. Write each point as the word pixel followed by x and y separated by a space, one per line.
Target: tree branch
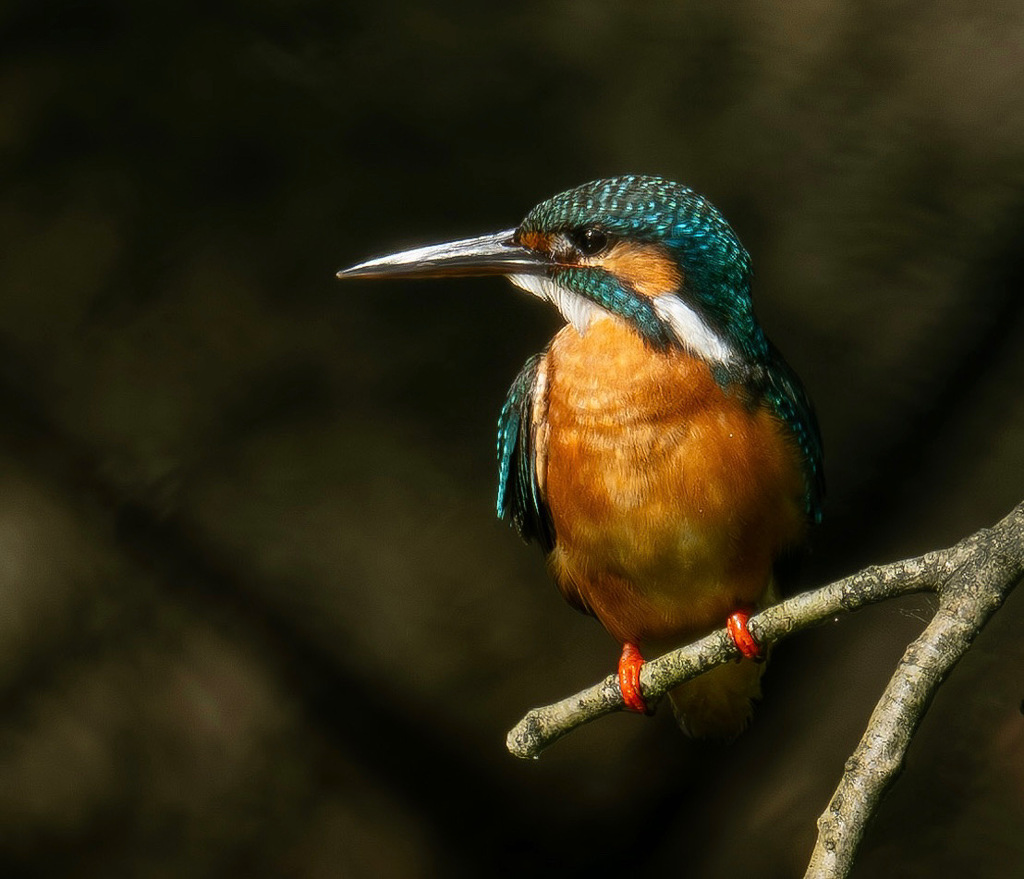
pixel 972 579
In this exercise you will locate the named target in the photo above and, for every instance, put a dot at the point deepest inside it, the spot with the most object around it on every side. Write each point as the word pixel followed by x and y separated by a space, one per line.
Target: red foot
pixel 630 664
pixel 741 637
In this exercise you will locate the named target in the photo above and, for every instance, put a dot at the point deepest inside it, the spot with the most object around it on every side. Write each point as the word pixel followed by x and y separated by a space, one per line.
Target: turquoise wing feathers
pixel 520 499
pixel 789 399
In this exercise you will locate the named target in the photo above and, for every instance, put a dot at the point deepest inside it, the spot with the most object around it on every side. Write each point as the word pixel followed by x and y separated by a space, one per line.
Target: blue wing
pixel 520 500
pixel 790 400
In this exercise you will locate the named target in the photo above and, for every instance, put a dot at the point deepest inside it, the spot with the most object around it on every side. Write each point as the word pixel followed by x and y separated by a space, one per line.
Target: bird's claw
pixel 741 637
pixel 630 663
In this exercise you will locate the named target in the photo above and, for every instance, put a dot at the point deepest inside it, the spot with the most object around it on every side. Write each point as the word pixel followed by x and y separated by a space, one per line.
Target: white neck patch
pixel 574 308
pixel 689 327
pixel 691 330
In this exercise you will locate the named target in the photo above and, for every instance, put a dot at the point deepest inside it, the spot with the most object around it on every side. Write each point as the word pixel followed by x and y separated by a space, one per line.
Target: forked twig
pixel 972 579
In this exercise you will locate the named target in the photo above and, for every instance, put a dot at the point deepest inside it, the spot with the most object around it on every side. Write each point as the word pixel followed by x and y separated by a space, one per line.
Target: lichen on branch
pixel 972 579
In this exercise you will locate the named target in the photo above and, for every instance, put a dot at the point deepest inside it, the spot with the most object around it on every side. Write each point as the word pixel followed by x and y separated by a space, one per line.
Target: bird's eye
pixel 591 241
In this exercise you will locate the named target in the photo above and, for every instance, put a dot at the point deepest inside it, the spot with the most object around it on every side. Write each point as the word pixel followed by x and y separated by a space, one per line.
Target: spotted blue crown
pixel 715 265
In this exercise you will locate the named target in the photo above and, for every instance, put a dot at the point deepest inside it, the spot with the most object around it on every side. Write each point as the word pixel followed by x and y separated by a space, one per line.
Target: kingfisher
pixel 660 451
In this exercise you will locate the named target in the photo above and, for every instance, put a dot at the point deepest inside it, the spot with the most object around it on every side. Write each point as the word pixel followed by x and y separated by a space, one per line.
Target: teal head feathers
pixel 615 238
pixel 655 254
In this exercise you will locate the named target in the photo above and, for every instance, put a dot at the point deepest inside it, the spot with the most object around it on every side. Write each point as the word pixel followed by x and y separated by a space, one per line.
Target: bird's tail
pixel 719 703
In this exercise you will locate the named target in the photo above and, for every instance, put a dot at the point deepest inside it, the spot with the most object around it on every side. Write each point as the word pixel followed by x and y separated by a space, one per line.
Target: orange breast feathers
pixel 671 498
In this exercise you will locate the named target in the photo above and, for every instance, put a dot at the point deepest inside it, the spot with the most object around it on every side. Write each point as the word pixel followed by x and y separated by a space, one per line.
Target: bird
pixel 660 450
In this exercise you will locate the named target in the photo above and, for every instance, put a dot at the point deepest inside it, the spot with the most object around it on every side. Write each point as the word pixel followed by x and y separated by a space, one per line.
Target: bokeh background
pixel 256 615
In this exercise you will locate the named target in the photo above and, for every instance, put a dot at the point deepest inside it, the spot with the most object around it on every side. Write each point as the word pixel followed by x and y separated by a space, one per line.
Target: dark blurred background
pixel 256 615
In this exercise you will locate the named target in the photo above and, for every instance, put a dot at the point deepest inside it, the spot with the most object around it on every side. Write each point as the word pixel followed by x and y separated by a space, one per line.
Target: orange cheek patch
pixel 647 268
pixel 538 241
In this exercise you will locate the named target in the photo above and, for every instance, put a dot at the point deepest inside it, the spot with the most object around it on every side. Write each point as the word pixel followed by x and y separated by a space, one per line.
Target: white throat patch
pixel 688 327
pixel 574 308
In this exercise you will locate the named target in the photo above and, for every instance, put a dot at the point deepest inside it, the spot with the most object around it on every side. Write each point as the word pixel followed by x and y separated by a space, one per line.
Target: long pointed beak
pixel 495 254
